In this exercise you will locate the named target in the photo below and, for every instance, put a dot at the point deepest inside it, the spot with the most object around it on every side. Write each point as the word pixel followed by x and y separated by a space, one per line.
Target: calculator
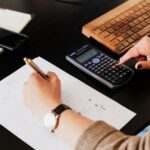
pixel 100 66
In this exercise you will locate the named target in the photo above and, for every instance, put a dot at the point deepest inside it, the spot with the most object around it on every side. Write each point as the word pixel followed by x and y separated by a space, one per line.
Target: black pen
pixel 35 67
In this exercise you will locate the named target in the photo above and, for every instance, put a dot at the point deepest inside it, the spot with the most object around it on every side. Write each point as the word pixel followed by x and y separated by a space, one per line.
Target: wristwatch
pixel 51 119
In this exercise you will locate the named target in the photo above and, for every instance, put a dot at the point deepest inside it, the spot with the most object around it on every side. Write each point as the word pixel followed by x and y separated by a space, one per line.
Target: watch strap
pixel 59 109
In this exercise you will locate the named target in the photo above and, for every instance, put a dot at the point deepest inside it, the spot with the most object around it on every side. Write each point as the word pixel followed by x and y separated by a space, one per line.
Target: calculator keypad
pixel 103 66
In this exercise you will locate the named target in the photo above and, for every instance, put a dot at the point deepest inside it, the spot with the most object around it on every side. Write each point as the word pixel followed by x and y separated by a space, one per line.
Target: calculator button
pixel 85 65
pixel 113 81
pixel 102 70
pixel 124 73
pixel 99 56
pixel 98 64
pixel 109 69
pixel 95 60
pixel 89 63
pixel 120 76
pixel 102 74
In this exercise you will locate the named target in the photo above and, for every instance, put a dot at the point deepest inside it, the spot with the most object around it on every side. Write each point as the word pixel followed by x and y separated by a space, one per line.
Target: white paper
pixel 13 20
pixel 19 120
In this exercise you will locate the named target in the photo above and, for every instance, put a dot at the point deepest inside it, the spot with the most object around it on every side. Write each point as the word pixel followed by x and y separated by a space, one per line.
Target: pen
pixel 35 67
pixel 1 50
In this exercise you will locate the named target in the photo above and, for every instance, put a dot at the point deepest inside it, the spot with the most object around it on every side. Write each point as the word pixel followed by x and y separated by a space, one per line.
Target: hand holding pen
pixel 36 68
pixel 41 92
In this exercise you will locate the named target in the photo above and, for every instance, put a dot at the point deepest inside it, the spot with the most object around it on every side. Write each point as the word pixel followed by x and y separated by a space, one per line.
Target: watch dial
pixel 50 121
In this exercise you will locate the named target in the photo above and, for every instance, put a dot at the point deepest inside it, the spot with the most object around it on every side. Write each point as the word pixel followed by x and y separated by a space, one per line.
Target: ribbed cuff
pixel 92 135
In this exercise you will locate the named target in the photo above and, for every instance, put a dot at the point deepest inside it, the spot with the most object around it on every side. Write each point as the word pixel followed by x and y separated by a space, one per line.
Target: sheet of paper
pixel 13 20
pixel 19 120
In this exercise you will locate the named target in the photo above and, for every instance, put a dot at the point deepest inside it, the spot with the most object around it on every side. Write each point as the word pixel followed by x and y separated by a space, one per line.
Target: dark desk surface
pixel 56 31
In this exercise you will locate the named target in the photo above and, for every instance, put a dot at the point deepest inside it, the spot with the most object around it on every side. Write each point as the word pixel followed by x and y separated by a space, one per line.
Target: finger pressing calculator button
pixel 95 60
pixel 102 67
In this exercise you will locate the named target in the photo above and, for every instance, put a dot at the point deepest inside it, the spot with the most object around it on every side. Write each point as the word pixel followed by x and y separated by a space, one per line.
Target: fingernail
pixel 139 66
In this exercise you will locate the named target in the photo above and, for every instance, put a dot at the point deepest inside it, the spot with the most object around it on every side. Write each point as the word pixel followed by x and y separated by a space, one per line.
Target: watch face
pixel 50 121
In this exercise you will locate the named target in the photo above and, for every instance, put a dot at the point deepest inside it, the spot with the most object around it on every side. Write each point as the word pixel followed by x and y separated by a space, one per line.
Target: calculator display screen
pixel 87 55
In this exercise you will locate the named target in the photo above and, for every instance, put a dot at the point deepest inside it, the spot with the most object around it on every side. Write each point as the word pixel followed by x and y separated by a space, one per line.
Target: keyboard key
pixel 130 40
pixel 136 21
pixel 139 26
pixel 144 30
pixel 144 24
pixel 120 38
pixel 117 33
pixel 126 35
pixel 135 16
pixel 108 25
pixel 120 47
pixel 110 30
pixel 145 16
pixel 148 21
pixel 135 36
pixel 135 29
pixel 111 37
pixel 130 32
pixel 105 34
pixel 131 24
pixel 103 28
pixel 98 31
pixel 125 43
pixel 115 42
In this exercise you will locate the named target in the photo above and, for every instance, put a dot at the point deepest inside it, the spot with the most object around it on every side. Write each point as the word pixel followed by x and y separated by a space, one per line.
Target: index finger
pixel 132 53
pixel 52 75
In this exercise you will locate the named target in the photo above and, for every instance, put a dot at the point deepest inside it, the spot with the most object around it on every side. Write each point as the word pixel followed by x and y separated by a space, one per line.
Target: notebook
pixel 18 119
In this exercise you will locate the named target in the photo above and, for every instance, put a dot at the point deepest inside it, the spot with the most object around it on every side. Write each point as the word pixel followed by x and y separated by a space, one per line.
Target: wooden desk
pixel 56 31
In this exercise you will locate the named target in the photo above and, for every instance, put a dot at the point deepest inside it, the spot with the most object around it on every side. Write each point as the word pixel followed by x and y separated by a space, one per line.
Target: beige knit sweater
pixel 101 136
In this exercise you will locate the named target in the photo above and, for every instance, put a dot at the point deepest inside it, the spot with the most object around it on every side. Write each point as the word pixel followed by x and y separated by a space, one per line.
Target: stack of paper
pixel 13 20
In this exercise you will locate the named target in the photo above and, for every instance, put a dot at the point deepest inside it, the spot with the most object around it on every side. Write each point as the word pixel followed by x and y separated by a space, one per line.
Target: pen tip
pixel 25 59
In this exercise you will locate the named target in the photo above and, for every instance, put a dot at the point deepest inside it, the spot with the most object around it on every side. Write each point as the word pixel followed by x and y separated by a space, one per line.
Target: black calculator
pixel 100 66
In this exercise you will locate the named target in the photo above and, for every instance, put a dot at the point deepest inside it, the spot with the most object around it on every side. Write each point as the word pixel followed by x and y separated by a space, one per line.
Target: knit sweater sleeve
pixel 101 136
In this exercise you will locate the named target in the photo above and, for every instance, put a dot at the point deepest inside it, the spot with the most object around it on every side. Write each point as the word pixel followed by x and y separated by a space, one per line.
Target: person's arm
pixel 141 52
pixel 101 136
pixel 42 95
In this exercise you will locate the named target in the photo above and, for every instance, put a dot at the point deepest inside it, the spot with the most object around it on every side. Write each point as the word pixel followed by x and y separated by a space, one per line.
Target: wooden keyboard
pixel 123 26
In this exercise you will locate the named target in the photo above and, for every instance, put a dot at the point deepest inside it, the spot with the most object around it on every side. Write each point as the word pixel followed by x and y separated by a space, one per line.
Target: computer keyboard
pixel 121 32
